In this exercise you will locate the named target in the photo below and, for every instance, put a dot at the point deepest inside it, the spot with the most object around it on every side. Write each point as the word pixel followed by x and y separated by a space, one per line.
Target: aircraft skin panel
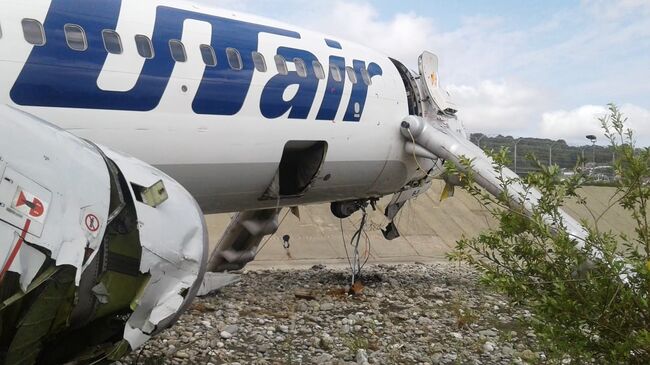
pixel 348 180
pixel 189 118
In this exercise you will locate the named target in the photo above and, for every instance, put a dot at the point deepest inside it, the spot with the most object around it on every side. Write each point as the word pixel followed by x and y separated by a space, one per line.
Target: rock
pixel 232 329
pixel 225 335
pixel 264 348
pixel 362 357
pixel 488 347
pixel 507 351
pixel 326 307
pixel 488 333
pixel 182 355
pixel 326 342
pixel 528 355
pixel 323 359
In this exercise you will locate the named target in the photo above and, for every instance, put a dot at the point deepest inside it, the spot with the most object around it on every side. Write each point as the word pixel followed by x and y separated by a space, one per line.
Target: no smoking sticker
pixel 92 224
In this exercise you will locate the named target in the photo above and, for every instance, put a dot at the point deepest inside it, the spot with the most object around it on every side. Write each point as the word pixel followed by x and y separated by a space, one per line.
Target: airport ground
pixel 290 306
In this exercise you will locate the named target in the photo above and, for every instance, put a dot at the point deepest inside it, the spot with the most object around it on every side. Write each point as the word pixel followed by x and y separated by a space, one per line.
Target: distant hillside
pixel 563 155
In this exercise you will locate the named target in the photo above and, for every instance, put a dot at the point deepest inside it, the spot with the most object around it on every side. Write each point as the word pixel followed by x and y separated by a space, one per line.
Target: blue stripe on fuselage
pixel 57 76
pixel 333 92
pixel 360 91
pixel 272 103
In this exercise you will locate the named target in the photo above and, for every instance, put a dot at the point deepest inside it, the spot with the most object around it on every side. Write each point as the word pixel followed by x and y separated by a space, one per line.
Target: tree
pixel 591 307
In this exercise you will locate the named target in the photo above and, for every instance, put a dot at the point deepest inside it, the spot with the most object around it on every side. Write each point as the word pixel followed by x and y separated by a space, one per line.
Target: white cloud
pixel 497 107
pixel 573 125
pixel 404 36
pixel 613 10
pixel 592 53
pixel 477 49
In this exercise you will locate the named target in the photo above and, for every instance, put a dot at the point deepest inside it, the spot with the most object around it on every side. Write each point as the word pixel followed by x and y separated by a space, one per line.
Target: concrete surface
pixel 429 229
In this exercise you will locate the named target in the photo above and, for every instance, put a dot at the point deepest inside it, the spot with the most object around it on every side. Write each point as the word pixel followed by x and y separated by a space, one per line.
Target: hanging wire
pixel 415 156
pixel 272 235
pixel 277 209
pixel 356 238
pixel 345 246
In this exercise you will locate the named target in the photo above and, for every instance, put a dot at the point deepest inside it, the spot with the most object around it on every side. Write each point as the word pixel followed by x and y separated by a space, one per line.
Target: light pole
pixel 478 141
pixel 550 153
pixel 516 143
pixel 593 140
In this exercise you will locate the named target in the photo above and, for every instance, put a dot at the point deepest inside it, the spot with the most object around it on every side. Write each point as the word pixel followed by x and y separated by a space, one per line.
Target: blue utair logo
pixel 57 76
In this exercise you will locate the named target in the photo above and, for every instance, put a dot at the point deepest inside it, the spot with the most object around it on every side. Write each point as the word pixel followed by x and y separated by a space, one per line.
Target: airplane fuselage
pixel 218 129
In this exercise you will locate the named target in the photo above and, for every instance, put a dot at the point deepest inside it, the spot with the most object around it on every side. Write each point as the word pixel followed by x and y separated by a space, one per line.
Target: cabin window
pixel 112 41
pixel 351 75
pixel 209 57
pixel 281 64
pixel 144 46
pixel 178 50
pixel 234 59
pixel 33 32
pixel 259 61
pixel 301 68
pixel 318 70
pixel 0 31
pixel 336 73
pixel 366 76
pixel 75 37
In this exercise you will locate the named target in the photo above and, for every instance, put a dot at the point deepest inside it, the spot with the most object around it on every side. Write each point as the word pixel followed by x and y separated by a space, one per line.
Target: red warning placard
pixel 30 205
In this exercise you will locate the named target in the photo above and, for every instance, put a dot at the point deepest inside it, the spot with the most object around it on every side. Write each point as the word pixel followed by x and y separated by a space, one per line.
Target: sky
pixel 523 68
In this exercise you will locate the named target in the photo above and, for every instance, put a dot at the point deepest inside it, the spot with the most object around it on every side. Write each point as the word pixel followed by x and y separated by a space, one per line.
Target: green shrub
pixel 591 307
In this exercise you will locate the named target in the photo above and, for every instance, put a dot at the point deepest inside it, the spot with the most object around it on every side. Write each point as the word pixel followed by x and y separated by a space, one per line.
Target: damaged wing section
pixel 98 251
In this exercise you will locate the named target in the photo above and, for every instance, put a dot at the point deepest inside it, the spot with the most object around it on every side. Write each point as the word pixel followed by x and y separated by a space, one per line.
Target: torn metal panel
pixel 48 175
pixel 174 243
pixel 129 243
pixel 27 264
pixel 214 281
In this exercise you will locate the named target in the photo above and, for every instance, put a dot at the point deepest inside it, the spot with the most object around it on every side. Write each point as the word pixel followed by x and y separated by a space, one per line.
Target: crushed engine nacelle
pixel 99 251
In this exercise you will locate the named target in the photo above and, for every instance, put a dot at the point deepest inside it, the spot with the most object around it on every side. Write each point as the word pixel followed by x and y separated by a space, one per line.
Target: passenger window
pixel 75 37
pixel 366 77
pixel 33 32
pixel 209 57
pixel 281 64
pixel 351 75
pixel 301 68
pixel 144 46
pixel 318 70
pixel 112 41
pixel 259 61
pixel 178 50
pixel 336 73
pixel 0 31
pixel 234 59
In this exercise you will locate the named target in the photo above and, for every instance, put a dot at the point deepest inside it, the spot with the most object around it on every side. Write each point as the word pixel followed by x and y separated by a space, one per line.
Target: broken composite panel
pixel 99 251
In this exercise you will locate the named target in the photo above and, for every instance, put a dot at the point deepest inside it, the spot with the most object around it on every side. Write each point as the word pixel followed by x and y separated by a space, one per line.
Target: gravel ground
pixel 405 314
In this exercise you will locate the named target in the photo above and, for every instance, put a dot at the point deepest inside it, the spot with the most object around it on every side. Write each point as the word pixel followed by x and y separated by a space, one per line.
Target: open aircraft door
pixel 428 64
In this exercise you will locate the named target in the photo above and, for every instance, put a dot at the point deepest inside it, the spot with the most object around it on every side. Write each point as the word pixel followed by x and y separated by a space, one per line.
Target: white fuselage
pixel 226 161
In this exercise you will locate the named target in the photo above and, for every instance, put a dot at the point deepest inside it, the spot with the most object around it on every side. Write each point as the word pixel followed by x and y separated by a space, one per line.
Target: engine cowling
pixel 107 249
